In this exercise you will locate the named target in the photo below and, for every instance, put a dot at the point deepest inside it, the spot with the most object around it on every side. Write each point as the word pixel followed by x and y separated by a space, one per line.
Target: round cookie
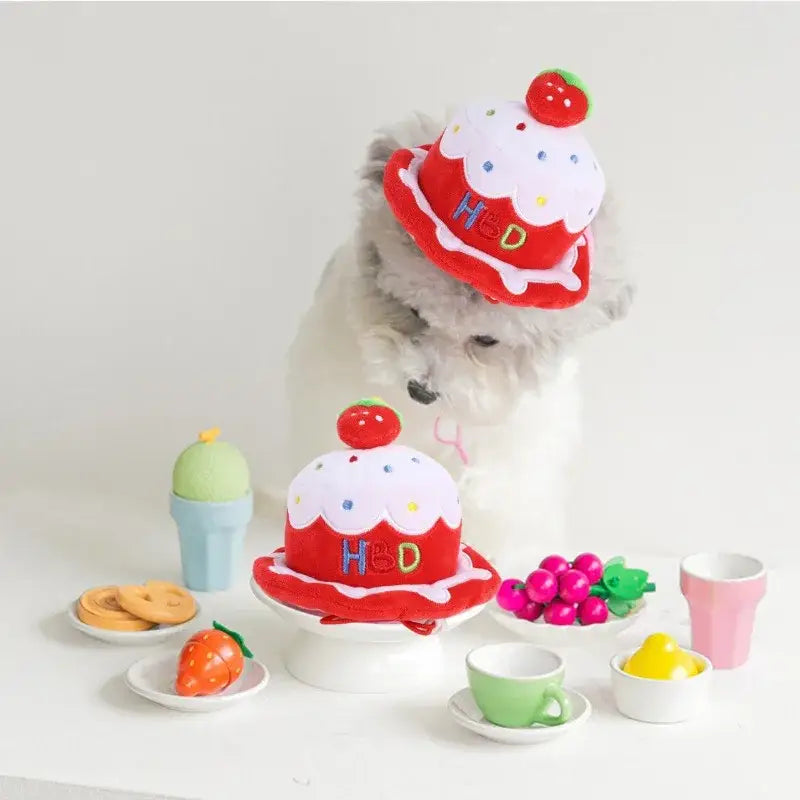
pixel 99 608
pixel 158 601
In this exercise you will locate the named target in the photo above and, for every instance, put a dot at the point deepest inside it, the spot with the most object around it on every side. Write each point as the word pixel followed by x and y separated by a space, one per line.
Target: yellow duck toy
pixel 659 658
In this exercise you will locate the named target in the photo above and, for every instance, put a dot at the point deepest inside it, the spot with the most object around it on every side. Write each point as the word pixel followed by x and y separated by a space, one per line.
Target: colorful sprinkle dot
pixel 567 103
pixel 212 680
pixel 490 112
pixel 378 418
pixel 191 662
pixel 209 656
pixel 205 636
pixel 347 505
pixel 540 201
pixel 387 468
pixel 549 98
pixel 353 459
pixel 456 128
pixel 573 158
pixel 297 500
pixel 415 459
pixel 560 90
pixel 362 422
pixel 541 155
pixel 521 126
pixel 319 466
pixel 488 166
pixel 549 84
pixel 412 506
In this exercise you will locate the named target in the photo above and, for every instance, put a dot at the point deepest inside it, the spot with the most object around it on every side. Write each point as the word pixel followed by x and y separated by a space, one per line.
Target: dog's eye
pixel 484 340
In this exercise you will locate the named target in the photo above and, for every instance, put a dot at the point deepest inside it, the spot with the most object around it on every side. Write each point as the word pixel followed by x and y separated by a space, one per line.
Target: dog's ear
pixel 414 131
pixel 378 153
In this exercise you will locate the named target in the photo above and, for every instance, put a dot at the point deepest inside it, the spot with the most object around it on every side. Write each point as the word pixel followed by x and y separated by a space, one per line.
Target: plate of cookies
pixel 134 614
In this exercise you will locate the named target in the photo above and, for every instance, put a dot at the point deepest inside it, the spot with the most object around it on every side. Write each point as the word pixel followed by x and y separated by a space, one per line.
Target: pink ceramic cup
pixel 723 591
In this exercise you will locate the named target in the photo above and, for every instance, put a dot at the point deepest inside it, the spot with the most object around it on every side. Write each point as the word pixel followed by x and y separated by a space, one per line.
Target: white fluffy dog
pixel 500 381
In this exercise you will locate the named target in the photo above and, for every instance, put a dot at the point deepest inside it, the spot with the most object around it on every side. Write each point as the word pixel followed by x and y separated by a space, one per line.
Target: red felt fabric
pixel 392 606
pixel 446 183
pixel 317 551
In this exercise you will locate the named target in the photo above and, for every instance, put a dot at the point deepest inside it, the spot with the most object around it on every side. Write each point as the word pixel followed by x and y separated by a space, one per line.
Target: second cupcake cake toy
pixel 374 534
pixel 372 562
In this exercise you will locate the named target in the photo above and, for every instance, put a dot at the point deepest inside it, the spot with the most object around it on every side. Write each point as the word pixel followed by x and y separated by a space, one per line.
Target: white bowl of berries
pixel 572 603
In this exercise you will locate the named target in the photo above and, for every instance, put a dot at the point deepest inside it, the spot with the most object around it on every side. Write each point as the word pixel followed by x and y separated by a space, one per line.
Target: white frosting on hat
pixel 406 488
pixel 502 161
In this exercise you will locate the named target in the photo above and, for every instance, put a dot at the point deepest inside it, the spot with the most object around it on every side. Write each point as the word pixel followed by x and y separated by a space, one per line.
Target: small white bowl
pixel 658 701
pixel 546 635
pixel 154 679
pixel 136 638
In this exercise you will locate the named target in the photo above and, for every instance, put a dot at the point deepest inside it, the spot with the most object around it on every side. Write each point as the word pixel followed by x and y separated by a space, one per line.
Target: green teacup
pixel 514 684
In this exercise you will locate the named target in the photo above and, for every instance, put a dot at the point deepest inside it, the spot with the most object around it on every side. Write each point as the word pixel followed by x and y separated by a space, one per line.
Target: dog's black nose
pixel 421 393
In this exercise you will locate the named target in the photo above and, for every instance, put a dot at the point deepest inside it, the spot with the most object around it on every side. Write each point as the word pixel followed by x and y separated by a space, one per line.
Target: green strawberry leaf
pixel 237 637
pixel 618 607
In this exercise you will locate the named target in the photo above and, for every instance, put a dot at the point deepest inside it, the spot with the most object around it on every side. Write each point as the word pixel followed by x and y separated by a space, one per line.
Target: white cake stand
pixel 361 657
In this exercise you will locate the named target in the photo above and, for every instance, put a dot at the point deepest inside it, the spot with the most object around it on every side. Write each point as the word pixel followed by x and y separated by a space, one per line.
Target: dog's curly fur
pixel 384 316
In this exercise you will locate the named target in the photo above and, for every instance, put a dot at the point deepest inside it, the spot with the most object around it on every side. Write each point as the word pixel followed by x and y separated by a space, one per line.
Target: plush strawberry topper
pixel 373 533
pixel 504 198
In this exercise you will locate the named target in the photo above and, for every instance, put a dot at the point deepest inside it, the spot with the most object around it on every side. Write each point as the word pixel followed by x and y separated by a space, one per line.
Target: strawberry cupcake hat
pixel 373 533
pixel 504 199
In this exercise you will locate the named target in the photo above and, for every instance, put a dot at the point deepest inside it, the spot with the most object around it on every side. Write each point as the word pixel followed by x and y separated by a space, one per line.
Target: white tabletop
pixel 66 715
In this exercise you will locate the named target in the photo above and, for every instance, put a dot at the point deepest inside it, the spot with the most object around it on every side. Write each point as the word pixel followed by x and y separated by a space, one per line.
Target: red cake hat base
pixel 550 243
pixel 394 604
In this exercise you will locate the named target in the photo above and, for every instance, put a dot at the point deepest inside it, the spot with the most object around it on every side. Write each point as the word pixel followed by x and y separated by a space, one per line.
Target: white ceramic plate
pixel 154 679
pixel 576 635
pixel 153 636
pixel 466 713
pixel 355 631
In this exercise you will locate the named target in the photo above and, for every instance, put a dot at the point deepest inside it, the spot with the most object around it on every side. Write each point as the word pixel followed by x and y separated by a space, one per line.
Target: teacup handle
pixel 554 692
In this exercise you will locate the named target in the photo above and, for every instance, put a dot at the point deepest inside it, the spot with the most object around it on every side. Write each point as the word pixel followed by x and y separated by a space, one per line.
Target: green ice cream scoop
pixel 211 471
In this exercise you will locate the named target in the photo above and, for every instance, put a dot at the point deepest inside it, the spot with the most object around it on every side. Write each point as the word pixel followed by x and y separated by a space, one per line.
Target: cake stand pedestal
pixel 361 657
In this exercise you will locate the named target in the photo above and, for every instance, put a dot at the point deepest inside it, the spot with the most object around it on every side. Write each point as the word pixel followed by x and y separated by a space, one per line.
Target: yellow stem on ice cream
pixel 209 435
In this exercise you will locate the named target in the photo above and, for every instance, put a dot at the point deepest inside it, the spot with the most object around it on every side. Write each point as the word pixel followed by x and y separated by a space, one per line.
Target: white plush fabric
pixel 543 190
pixel 398 484
pixel 514 279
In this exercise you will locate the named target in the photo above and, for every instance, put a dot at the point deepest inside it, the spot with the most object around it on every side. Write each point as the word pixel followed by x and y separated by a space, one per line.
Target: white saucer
pixel 154 679
pixel 541 633
pixel 153 636
pixel 466 713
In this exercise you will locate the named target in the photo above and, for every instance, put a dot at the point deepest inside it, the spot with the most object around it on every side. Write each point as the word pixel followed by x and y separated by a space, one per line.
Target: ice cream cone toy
pixel 212 504
pixel 210 661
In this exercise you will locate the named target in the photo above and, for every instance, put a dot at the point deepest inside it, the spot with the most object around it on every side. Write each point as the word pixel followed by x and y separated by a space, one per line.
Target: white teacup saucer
pixel 466 713
pixel 154 679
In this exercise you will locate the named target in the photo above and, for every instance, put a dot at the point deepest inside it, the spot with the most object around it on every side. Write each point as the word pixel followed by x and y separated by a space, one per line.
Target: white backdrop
pixel 174 177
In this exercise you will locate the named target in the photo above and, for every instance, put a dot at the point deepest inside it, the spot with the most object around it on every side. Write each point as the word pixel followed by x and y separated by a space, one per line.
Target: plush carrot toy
pixel 210 661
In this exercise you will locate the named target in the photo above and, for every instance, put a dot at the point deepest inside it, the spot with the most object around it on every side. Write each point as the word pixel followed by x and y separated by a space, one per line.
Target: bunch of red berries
pixel 558 591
